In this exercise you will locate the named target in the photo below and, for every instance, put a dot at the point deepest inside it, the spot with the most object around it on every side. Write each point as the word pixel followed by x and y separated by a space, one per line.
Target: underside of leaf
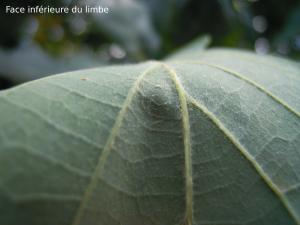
pixel 208 139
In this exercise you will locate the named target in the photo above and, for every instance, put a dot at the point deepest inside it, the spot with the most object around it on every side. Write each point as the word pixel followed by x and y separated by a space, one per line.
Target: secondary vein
pixel 108 146
pixel 239 76
pixel 247 155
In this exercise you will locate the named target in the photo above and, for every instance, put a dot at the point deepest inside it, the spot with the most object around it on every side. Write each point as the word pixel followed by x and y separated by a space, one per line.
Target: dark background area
pixel 34 46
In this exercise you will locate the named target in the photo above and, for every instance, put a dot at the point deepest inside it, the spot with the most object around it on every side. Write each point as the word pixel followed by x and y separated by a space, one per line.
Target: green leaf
pixel 209 139
pixel 29 62
pixel 194 48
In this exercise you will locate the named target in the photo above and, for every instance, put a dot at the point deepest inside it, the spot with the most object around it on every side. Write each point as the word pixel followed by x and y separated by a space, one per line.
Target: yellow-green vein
pixel 187 145
pixel 261 61
pixel 106 150
pixel 246 154
pixel 239 76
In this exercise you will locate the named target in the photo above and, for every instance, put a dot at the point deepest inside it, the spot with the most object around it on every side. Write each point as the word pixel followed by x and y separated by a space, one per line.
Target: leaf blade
pixel 167 157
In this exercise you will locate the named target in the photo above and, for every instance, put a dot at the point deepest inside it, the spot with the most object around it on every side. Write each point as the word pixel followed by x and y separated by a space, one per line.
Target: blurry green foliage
pixel 137 30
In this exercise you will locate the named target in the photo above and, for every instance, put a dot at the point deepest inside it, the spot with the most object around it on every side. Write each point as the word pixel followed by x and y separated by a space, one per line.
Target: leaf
pixel 195 47
pixel 208 139
pixel 130 25
pixel 29 62
pixel 286 38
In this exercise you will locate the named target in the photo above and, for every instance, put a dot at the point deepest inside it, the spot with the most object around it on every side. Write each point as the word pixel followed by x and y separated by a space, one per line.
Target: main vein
pixel 187 145
pixel 107 148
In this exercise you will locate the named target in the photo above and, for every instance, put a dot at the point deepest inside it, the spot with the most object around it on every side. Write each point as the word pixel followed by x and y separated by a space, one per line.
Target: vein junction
pixel 184 99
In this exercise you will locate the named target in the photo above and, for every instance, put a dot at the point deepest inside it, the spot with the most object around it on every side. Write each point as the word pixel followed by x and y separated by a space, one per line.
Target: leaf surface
pixel 207 139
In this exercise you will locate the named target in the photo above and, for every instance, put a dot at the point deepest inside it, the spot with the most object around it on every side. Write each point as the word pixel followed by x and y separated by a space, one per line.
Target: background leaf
pixel 207 139
pixel 195 47
pixel 35 63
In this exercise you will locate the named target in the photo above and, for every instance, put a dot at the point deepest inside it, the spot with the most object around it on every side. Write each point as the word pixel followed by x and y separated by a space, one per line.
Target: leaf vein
pixel 239 76
pixel 55 126
pixel 187 144
pixel 246 154
pixel 108 146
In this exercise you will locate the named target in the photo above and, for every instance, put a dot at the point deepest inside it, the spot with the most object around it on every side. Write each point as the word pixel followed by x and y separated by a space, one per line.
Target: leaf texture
pixel 208 139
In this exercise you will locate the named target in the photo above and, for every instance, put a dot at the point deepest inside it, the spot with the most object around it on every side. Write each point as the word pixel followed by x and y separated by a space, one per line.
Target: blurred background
pixel 34 46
